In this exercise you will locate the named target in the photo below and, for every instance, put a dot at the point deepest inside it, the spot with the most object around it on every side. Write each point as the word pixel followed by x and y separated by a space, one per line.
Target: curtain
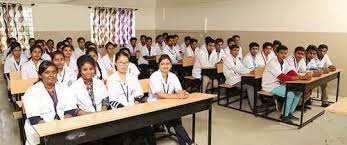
pixel 111 25
pixel 16 22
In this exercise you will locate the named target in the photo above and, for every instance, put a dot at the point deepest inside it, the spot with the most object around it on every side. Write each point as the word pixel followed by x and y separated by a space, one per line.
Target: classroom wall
pixel 295 23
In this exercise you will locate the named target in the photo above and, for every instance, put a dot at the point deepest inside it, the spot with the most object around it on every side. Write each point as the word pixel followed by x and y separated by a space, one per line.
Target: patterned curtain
pixel 111 25
pixel 14 23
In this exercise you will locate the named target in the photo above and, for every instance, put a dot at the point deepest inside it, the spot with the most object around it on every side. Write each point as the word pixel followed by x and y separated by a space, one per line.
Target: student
pixel 9 41
pixel 142 43
pixel 81 48
pixel 311 58
pixel 176 45
pixel 70 61
pixel 192 48
pixel 166 85
pixel 326 64
pixel 275 44
pixel 101 72
pixel 219 47
pixel 145 53
pixel 297 61
pixel 159 44
pixel 132 69
pixel 109 58
pixel 69 41
pixel 65 75
pixel 266 53
pixel 60 45
pixel 206 58
pixel 26 51
pixel 30 68
pixel 46 101
pixel 165 34
pixel 237 41
pixel 233 69
pixel 276 71
pixel 230 42
pixel 50 47
pixel 172 51
pixel 132 46
pixel 203 46
pixel 42 44
pixel 186 43
pixel 14 61
pixel 253 59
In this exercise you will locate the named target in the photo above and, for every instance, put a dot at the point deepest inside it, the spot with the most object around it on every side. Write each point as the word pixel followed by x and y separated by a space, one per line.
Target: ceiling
pixel 128 3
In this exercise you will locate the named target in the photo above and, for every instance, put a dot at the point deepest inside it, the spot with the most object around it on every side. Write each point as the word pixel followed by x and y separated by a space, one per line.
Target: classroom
pixel 173 72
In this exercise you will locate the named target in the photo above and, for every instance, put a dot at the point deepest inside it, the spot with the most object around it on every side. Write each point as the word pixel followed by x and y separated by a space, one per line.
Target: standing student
pixel 186 43
pixel 81 48
pixel 192 49
pixel 174 52
pixel 70 61
pixel 46 101
pixel 166 85
pixel 326 64
pixel 159 44
pixel 14 61
pixel 109 58
pixel 205 58
pixel 297 60
pixel 253 59
pixel 65 75
pixel 30 68
pixel 233 69
pixel 237 41
pixel 277 71
pixel 132 69
pixel 266 54
pixel 101 72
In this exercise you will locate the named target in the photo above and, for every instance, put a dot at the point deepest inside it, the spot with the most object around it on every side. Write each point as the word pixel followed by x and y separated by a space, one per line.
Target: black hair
pixel 12 47
pixel 276 42
pixel 36 46
pixel 207 38
pixel 311 48
pixel 133 38
pixel 121 53
pixel 187 38
pixel 56 53
pixel 322 46
pixel 31 39
pixel 169 37
pixel 253 44
pixel 164 56
pixel 229 40
pixel 11 39
pixel 124 49
pixel 219 40
pixel 92 49
pixel 210 41
pixel 66 46
pixel 87 43
pixel 234 46
pixel 281 48
pixel 68 38
pixel 193 40
pixel 39 41
pixel 60 45
pixel 83 60
pixel 165 34
pixel 299 48
pixel 143 36
pixel 156 38
pixel 236 36
pixel 44 66
pixel 148 38
pixel 267 44
pixel 108 44
pixel 80 38
pixel 50 40
pixel 176 36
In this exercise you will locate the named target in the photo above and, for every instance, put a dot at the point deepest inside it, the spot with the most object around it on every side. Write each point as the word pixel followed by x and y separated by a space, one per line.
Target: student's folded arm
pixel 162 95
pixel 292 73
pixel 70 113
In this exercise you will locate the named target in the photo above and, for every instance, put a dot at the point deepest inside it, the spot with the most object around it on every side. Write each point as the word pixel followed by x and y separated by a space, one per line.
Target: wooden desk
pixel 99 125
pixel 339 107
pixel 307 85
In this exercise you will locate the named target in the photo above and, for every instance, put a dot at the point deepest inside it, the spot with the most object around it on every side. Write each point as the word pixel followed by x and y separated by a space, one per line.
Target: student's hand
pixel 252 72
pixel 326 70
pixel 332 68
pixel 182 95
pixel 307 76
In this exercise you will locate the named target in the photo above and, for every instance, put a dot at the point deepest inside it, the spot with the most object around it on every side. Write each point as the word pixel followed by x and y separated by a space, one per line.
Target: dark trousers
pixel 144 71
pixel 181 133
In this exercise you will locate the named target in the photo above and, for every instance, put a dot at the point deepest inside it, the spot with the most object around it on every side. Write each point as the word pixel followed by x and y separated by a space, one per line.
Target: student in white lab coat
pixel 65 74
pixel 230 42
pixel 219 49
pixel 266 54
pixel 9 41
pixel 311 59
pixel 253 59
pixel 42 44
pixel 70 61
pixel 14 59
pixel 101 72
pixel 133 49
pixel 30 68
pixel 237 41
pixel 142 43
pixel 159 44
pixel 50 47
pixel 207 38
pixel 297 60
pixel 186 43
pixel 176 45
pixel 277 71
pixel 325 63
pixel 174 52
pixel 192 49
pixel 205 58
pixel 46 101
pixel 145 53
pixel 132 69
pixel 81 50
pixel 109 59
pixel 26 51
pixel 275 44
pixel 166 85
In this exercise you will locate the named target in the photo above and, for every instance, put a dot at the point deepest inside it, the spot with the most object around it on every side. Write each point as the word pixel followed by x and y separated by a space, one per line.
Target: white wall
pixel 253 15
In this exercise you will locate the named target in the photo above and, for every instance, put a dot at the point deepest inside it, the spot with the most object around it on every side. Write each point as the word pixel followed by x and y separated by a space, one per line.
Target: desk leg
pixel 285 102
pixel 338 87
pixel 193 127
pixel 209 124
pixel 202 83
pixel 302 111
pixel 42 141
pixel 255 97
pixel 241 95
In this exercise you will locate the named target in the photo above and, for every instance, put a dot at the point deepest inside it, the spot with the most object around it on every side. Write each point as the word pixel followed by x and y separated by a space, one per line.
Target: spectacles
pixel 123 63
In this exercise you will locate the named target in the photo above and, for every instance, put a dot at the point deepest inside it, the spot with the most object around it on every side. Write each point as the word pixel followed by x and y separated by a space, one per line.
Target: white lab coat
pixel 79 52
pixel 123 92
pixel 299 67
pixel 66 76
pixel 132 69
pixel 132 49
pixel 109 65
pixel 203 60
pixel 325 62
pixel 232 69
pixel 251 62
pixel 46 56
pixel 72 65
pixel 38 102
pixel 174 53
pixel 190 53
pixel 29 70
pixel 101 70
pixel 145 52
pixel 159 48
pixel 158 84
pixel 312 64
pixel 266 59
pixel 83 99
pixel 11 65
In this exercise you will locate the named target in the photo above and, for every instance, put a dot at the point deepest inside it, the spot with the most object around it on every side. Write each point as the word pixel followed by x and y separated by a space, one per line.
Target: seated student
pixel 233 69
pixel 42 44
pixel 132 69
pixel 297 61
pixel 237 41
pixel 219 49
pixel 50 47
pixel 26 50
pixel 60 45
pixel 159 44
pixel 145 53
pixel 46 101
pixel 192 48
pixel 266 53
pixel 253 59
pixel 230 42
pixel 142 43
pixel 81 48
pixel 186 43
pixel 326 64
pixel 171 50
pixel 205 58
pixel 277 71
pixel 70 61
pixel 165 85
pixel 165 34
pixel 203 46
pixel 69 41
pixel 9 41
pixel 275 44
pixel 65 75
pixel 109 59
pixel 176 45
pixel 132 48
pixel 30 68
pixel 14 59
pixel 311 59
pixel 100 71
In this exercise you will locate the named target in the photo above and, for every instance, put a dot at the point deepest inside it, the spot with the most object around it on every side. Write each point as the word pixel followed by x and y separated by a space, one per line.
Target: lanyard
pixel 63 76
pixel 281 63
pixel 54 98
pixel 166 90
pixel 15 66
pixel 262 55
pixel 254 64
pixel 91 95
pixel 127 93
